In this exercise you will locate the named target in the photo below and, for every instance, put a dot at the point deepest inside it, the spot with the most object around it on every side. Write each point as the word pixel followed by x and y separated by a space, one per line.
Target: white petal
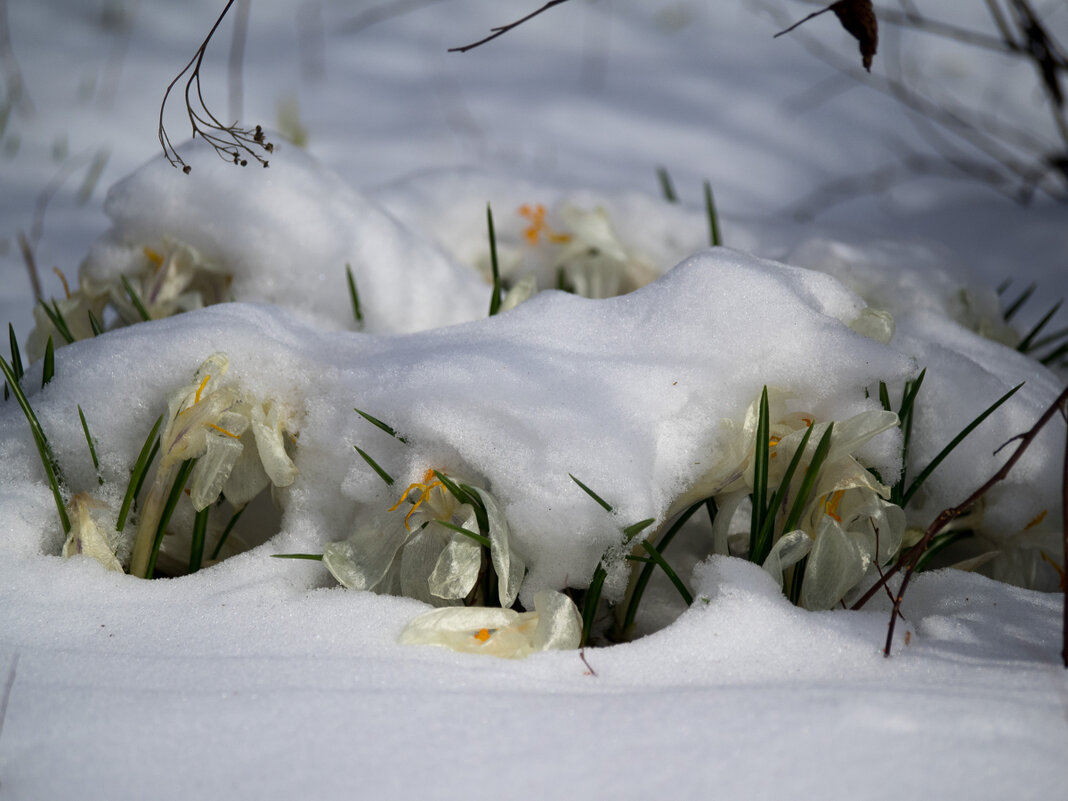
pixel 418 560
pixel 559 622
pixel 267 429
pixel 506 562
pixel 524 289
pixel 86 537
pixel 834 566
pixel 361 561
pixel 788 551
pixel 875 324
pixel 475 629
pixel 456 570
pixel 247 478
pixel 213 469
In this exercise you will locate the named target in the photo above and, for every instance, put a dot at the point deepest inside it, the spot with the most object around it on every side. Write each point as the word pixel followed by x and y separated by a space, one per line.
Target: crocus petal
pixel 788 551
pixel 524 289
pixel 875 324
pixel 361 561
pixel 475 629
pixel 418 560
pixel 559 622
pixel 456 571
pixel 267 428
pixel 506 562
pixel 834 566
pixel 213 469
pixel 86 537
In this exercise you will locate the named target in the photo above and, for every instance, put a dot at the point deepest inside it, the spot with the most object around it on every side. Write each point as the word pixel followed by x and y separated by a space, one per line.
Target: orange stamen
pixel 222 430
pixel 200 389
pixel 153 256
pixel 1060 570
pixel 538 226
pixel 424 493
pixel 63 278
pixel 482 635
pixel 831 504
pixel 1037 520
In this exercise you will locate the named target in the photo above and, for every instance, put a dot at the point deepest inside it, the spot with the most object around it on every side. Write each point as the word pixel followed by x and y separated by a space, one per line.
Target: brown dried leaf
pixel 858 18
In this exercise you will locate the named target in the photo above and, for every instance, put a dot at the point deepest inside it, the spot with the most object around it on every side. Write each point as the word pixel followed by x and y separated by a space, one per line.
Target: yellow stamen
pixel 1060 570
pixel 482 635
pixel 200 389
pixel 424 492
pixel 831 504
pixel 538 226
pixel 153 256
pixel 807 421
pixel 63 278
pixel 772 442
pixel 222 430
pixel 1036 520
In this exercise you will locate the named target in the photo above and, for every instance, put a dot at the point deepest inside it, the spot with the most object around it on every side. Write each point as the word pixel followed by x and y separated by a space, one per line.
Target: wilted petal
pixel 524 289
pixel 361 561
pixel 86 537
pixel 475 629
pixel 456 571
pixel 247 478
pixel 213 469
pixel 418 560
pixel 875 324
pixel 788 551
pixel 834 566
pixel 506 562
pixel 559 622
pixel 267 428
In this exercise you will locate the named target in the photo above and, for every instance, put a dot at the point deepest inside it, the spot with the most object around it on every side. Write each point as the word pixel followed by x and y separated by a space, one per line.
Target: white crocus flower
pixel 209 420
pixel 594 260
pixel 555 624
pixel 420 553
pixel 87 536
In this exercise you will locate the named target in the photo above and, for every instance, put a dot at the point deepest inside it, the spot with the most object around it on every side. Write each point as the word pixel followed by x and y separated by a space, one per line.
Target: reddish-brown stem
pixel 503 29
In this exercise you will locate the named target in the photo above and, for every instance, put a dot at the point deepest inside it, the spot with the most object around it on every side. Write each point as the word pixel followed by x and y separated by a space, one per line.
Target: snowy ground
pixel 261 677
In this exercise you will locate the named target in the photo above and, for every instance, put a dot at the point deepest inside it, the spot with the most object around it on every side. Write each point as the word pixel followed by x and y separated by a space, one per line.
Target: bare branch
pixel 503 29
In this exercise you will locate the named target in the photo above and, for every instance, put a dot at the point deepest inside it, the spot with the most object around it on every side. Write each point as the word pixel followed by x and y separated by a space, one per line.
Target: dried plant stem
pixel 503 29
pixel 230 141
pixel 911 558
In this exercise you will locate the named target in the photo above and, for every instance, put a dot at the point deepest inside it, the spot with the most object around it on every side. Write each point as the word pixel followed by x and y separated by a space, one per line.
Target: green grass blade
pixel 767 530
pixel 48 368
pixel 1003 286
pixel 318 557
pixel 1053 356
pixel 380 425
pixel 666 185
pixel 1019 302
pixel 589 604
pixel 135 299
pixel 354 296
pixel 483 541
pixel 92 446
pixel 375 466
pixel 713 218
pixel 647 572
pixel 1028 341
pixel 926 472
pixel 58 321
pixel 654 554
pixel 95 325
pixel 16 356
pixel 761 453
pixel 808 482
pixel 604 504
pixel 44 450
pixel 634 529
pixel 495 298
pixel 196 547
pixel 140 470
pixel 1050 339
pixel 884 396
pixel 226 532
pixel 175 495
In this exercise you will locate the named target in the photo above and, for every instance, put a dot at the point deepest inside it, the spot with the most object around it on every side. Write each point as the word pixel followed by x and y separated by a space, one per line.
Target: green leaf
pixel 354 296
pixel 374 466
pixel 196 547
pixel 808 482
pixel 44 450
pixel 654 554
pixel 318 557
pixel 92 447
pixel 140 470
pixel 226 532
pixel 175 495
pixel 379 424
pixel 713 218
pixel 926 472
pixel 604 504
pixel 767 530
pixel 884 396
pixel 1019 302
pixel 666 185
pixel 135 299
pixel 48 368
pixel 590 602
pixel 95 325
pixel 483 541
pixel 634 529
pixel 1026 343
pixel 58 321
pixel 16 356
pixel 761 449
pixel 495 298
pixel 647 572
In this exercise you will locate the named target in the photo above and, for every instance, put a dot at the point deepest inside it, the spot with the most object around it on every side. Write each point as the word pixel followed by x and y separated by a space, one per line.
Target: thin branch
pixel 910 558
pixel 231 142
pixel 503 29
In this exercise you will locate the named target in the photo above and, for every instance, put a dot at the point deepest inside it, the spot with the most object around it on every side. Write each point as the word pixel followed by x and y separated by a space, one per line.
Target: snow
pixel 260 677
